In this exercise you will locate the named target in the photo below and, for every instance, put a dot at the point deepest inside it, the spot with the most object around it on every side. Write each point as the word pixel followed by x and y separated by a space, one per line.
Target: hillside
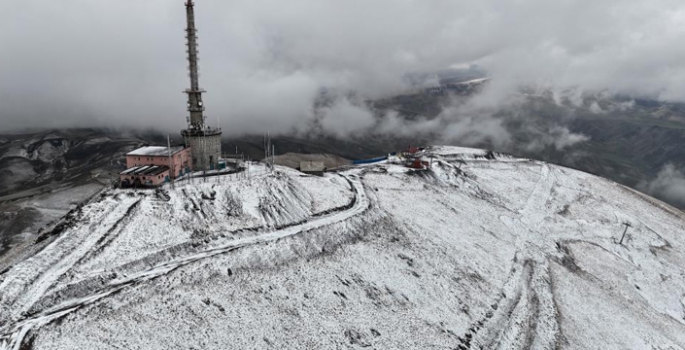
pixel 44 175
pixel 628 140
pixel 506 253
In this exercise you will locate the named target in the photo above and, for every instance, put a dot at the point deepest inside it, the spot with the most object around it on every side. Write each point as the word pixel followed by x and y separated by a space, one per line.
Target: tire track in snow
pixel 538 196
pixel 111 234
pixel 35 270
pixel 13 335
pixel 523 315
pixel 41 286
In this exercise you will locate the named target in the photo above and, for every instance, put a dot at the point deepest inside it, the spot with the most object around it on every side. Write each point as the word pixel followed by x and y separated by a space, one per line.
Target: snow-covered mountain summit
pixel 477 252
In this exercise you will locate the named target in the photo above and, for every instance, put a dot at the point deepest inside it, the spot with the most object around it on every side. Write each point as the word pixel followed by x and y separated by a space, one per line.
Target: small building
pixel 181 162
pixel 144 176
pixel 312 168
pixel 413 158
pixel 417 163
pixel 411 152
pixel 152 166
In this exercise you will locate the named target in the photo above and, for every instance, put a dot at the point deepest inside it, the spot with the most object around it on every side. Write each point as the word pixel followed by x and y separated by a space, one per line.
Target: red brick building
pixel 152 166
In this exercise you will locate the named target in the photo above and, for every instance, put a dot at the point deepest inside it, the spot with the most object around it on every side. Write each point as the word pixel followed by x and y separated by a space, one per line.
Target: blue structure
pixel 370 161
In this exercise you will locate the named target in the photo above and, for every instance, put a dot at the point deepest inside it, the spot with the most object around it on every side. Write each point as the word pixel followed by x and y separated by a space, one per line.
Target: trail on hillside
pixel 523 314
pixel 13 334
pixel 477 252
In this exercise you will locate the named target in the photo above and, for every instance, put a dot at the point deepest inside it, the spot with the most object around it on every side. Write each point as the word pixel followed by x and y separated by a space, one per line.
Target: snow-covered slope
pixel 482 251
pixel 46 174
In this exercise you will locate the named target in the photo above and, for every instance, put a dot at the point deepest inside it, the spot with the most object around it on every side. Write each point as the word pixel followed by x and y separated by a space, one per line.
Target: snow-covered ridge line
pixel 214 240
pixel 452 153
pixel 13 334
pixel 667 207
pixel 472 252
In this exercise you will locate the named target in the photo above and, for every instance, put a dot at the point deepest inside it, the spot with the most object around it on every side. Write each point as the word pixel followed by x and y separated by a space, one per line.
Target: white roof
pixel 152 151
pixel 129 170
pixel 145 170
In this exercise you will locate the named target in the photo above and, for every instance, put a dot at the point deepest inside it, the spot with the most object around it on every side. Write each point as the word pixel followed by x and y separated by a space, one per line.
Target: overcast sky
pixel 122 62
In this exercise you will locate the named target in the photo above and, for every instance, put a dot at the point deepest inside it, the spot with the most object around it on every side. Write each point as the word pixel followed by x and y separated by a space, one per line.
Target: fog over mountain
pixel 114 63
pixel 669 185
pixel 489 174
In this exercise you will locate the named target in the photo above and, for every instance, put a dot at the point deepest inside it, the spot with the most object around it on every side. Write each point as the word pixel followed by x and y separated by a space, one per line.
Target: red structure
pixel 143 176
pixel 412 150
pixel 152 166
pixel 413 158
pixel 417 163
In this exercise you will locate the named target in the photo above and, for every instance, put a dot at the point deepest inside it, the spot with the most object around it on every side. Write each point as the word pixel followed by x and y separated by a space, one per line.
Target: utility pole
pixel 626 224
pixel 268 148
pixel 204 156
pixel 189 173
pixel 218 176
pixel 172 174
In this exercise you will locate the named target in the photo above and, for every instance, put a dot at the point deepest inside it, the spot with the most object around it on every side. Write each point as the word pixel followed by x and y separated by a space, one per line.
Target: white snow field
pixel 483 251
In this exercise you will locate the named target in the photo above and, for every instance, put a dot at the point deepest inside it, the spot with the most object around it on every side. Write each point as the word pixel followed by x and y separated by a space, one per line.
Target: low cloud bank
pixel 265 62
pixel 669 185
pixel 472 121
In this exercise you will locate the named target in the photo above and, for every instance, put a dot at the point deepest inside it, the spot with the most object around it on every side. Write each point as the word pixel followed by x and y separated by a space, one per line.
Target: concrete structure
pixel 205 148
pixel 312 168
pixel 151 166
pixel 203 140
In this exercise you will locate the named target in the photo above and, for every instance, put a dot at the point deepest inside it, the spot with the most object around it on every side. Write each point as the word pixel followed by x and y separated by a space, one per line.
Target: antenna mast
pixel 195 104
pixel 205 141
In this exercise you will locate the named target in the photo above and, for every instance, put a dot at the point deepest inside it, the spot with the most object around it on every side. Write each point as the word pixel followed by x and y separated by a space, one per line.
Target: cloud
pixel 473 121
pixel 476 122
pixel 476 130
pixel 76 62
pixel 560 137
pixel 595 108
pixel 669 185
pixel 392 123
pixel 344 119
